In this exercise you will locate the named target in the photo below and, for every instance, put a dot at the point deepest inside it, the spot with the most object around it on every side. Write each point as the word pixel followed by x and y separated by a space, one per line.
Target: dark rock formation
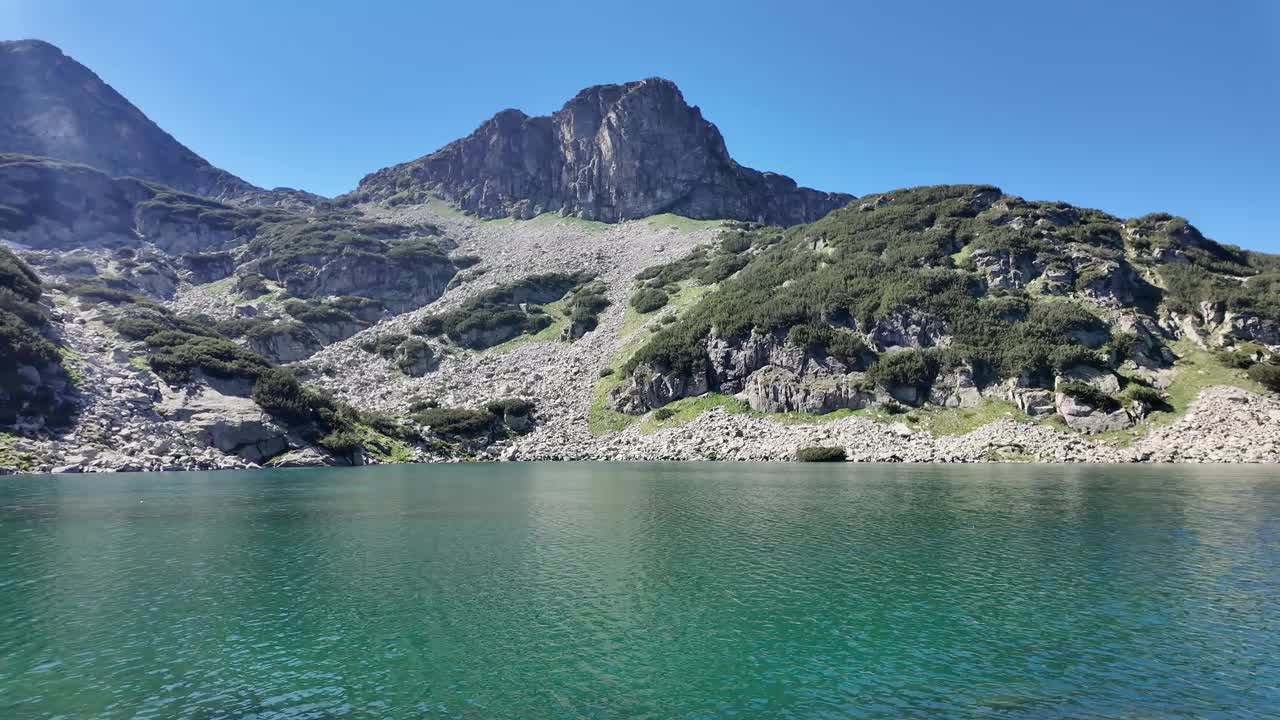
pixel 613 152
pixel 53 106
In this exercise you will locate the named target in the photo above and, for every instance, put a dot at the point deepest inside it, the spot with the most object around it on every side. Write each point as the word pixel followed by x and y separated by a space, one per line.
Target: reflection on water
pixel 643 591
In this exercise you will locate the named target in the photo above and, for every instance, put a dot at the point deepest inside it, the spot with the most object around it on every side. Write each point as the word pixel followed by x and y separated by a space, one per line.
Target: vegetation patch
pixel 505 312
pixel 820 454
pixel 26 348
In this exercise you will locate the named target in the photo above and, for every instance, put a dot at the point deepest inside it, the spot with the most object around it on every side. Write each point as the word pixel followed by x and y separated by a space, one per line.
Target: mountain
pixel 52 106
pixel 144 326
pixel 613 152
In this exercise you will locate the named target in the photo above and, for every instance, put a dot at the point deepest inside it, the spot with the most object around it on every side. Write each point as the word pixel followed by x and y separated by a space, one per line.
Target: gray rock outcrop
pixel 612 153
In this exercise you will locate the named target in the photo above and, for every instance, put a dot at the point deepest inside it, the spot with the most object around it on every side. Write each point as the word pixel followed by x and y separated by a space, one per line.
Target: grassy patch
pixel 384 448
pixel 961 421
pixel 549 219
pixel 685 409
pixel 71 362
pixel 678 302
pixel 13 459
pixel 1197 369
pixel 680 223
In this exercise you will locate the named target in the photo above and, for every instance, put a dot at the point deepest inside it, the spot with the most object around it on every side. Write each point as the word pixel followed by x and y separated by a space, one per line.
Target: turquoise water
pixel 643 591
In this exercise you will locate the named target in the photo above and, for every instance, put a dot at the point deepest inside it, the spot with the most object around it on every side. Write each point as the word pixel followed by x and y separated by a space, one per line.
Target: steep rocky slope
pixel 613 152
pixel 52 106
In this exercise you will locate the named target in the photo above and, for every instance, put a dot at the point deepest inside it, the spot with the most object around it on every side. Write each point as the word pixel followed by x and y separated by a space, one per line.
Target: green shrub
pixel 457 422
pixel 647 300
pixel 102 294
pixel 720 268
pixel 18 277
pixel 1150 397
pixel 312 312
pixel 735 242
pixel 845 346
pixel 1089 395
pixel 175 355
pixel 341 442
pixel 417 405
pixel 516 407
pixel 585 305
pixel 820 454
pixel 810 336
pixel 252 285
pixel 279 393
pixel 909 368
pixel 663 413
pixel 897 257
pixel 1267 375
pixel 1238 358
pixel 495 315
pixel 383 346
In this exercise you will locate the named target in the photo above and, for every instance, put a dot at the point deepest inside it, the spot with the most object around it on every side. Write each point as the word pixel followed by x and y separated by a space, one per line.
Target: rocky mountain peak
pixel 611 153
pixel 53 106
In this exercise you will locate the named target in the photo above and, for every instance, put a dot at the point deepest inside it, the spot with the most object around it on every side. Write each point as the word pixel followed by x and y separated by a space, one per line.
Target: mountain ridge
pixel 53 106
pixel 612 152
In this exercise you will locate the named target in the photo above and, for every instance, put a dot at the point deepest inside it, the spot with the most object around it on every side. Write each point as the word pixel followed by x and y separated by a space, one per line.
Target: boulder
pixel 955 388
pixel 302 457
pixel 1103 380
pixel 649 388
pixel 415 357
pixel 232 424
pixel 779 390
pixel 908 328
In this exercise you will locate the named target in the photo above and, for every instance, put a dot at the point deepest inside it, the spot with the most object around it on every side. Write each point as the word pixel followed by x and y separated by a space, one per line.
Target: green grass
pixel 685 297
pixel 444 208
pixel 686 409
pixel 1197 370
pixel 681 223
pixel 384 448
pixel 961 421
pixel 959 257
pixel 71 363
pixel 602 418
pixel 12 459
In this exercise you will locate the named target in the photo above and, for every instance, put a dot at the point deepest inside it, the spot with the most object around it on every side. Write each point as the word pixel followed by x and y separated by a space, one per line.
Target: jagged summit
pixel 612 152
pixel 52 106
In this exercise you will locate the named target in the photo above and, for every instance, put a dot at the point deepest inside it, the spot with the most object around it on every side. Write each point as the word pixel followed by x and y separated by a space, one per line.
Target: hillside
pixel 951 295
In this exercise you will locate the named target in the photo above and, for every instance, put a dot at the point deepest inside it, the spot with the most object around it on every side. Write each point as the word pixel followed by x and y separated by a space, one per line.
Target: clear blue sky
pixel 1129 106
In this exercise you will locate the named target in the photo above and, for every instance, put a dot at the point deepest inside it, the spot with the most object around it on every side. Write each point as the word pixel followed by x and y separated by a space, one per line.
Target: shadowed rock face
pixel 52 106
pixel 611 153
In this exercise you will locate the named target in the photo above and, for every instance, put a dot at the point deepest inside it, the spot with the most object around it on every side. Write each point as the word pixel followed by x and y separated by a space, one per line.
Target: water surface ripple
pixel 643 591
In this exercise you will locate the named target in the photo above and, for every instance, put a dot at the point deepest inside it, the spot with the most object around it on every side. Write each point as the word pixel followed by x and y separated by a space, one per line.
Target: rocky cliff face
pixel 53 106
pixel 611 153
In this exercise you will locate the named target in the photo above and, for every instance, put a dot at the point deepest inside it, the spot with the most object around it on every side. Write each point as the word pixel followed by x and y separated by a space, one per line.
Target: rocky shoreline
pixel 1225 425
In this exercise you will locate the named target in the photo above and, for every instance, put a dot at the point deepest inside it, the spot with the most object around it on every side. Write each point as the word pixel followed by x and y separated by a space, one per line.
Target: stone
pixel 303 457
pixel 229 423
